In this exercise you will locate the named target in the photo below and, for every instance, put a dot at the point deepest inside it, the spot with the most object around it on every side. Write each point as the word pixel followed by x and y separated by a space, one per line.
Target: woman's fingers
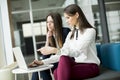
pixel 38 62
pixel 32 64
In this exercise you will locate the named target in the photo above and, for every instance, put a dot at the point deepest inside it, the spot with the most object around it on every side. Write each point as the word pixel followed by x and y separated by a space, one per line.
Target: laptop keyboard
pixel 38 67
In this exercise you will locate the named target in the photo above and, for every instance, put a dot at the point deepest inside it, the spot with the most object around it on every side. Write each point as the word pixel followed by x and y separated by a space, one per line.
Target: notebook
pixel 21 61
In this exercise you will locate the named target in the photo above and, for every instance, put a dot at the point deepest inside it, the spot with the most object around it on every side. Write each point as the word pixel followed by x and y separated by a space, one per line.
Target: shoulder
pixel 90 30
pixel 65 32
pixel 66 29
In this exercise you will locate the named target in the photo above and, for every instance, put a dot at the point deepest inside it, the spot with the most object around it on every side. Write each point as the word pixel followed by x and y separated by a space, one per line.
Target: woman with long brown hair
pixel 55 38
pixel 85 63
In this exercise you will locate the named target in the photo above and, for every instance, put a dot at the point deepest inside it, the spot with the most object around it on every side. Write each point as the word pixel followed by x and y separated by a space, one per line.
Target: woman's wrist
pixel 42 62
pixel 58 51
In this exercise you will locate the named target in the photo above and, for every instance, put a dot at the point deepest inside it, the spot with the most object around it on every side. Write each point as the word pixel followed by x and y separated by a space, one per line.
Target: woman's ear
pixel 77 15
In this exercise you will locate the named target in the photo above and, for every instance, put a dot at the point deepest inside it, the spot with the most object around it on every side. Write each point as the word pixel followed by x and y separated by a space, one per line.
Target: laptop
pixel 21 61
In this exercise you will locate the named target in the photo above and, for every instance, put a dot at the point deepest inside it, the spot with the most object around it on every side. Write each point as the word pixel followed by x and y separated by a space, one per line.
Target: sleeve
pixel 52 59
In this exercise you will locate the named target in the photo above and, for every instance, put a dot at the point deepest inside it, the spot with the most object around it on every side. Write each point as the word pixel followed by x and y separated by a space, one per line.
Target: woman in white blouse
pixel 78 57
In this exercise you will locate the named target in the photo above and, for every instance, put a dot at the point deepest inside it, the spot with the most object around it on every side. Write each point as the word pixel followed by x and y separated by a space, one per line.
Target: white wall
pixel 68 2
pixel 6 35
pixel 2 55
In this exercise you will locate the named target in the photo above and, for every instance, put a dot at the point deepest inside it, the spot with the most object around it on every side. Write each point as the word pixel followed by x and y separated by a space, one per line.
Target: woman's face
pixel 50 23
pixel 71 20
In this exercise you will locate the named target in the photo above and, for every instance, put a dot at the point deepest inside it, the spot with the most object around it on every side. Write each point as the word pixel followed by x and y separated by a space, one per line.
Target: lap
pixel 78 70
pixel 84 70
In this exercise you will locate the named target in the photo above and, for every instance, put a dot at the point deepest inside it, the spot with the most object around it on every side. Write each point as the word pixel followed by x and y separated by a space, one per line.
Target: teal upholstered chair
pixel 98 46
pixel 110 55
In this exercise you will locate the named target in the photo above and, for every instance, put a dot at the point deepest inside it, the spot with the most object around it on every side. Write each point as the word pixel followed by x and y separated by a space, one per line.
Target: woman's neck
pixel 77 26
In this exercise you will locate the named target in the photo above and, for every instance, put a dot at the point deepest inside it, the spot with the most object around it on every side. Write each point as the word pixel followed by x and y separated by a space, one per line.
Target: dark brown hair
pixel 71 10
pixel 58 29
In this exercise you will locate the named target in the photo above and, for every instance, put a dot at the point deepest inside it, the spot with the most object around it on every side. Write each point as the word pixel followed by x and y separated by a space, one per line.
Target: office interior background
pixel 22 23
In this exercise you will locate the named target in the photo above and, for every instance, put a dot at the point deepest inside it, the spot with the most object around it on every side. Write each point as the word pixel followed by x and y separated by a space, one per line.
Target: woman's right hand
pixel 49 34
pixel 35 63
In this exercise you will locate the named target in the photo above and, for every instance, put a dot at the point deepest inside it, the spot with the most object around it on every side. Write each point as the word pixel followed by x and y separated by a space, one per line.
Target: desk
pixel 22 71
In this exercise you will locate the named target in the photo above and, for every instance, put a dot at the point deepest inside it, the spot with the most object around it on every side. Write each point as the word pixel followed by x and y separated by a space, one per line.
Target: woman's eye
pixel 49 21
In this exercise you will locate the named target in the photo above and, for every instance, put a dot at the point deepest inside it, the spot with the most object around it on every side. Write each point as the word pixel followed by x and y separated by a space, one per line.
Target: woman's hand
pixel 49 34
pixel 35 63
pixel 47 50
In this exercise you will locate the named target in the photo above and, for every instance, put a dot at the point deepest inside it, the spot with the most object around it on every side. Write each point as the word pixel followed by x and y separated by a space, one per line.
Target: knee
pixel 63 58
pixel 55 74
pixel 55 71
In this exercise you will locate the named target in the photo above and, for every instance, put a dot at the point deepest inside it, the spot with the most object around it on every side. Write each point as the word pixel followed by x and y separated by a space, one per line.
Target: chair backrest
pixel 110 55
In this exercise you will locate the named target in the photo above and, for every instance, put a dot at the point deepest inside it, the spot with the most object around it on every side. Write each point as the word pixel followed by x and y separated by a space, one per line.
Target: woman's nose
pixel 49 24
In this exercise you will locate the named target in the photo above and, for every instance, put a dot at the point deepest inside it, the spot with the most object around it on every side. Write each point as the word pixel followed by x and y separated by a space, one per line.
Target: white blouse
pixel 83 49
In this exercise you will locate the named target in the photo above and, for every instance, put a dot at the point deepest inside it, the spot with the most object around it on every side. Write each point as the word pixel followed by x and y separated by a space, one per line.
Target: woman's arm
pixel 49 34
pixel 48 50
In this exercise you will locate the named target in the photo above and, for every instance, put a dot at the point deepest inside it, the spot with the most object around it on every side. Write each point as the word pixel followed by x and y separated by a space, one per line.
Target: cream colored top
pixel 83 49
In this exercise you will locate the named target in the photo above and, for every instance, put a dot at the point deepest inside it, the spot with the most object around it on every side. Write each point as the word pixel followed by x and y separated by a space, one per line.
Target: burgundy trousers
pixel 68 69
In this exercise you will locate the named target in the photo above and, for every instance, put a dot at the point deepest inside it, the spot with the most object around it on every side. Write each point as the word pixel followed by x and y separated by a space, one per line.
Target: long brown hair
pixel 58 29
pixel 71 10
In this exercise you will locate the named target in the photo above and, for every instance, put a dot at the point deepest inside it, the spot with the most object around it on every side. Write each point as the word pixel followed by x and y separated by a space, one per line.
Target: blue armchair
pixel 110 55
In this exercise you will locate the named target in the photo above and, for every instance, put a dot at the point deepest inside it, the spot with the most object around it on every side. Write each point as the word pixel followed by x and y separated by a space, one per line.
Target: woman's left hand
pixel 47 50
